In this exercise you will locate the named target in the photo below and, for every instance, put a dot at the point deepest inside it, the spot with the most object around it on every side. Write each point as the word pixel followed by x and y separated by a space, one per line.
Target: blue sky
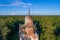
pixel 37 7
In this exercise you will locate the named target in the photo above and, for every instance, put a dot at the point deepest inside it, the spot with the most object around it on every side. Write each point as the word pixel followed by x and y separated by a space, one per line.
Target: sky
pixel 37 7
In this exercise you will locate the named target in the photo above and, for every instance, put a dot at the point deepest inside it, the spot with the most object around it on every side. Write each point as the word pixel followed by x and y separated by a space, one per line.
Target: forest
pixel 48 27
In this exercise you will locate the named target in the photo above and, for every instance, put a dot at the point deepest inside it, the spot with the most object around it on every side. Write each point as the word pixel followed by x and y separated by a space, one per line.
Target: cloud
pixel 18 4
pixel 26 4
pixel 15 4
pixel 0 4
pixel 12 13
pixel 36 6
pixel 12 4
pixel 3 5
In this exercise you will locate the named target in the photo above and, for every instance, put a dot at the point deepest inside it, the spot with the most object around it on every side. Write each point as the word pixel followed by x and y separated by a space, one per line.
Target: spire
pixel 29 12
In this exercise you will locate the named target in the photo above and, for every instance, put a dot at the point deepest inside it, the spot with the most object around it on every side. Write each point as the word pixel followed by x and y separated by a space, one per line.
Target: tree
pixel 4 29
pixel 5 32
pixel 47 29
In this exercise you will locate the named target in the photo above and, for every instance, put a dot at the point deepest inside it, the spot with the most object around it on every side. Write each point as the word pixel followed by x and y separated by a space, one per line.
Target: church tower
pixel 29 12
pixel 28 18
pixel 27 31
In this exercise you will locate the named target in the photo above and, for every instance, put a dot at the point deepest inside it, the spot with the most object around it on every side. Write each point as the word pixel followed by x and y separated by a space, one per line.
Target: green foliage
pixel 47 27
pixel 5 32
pixel 58 38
